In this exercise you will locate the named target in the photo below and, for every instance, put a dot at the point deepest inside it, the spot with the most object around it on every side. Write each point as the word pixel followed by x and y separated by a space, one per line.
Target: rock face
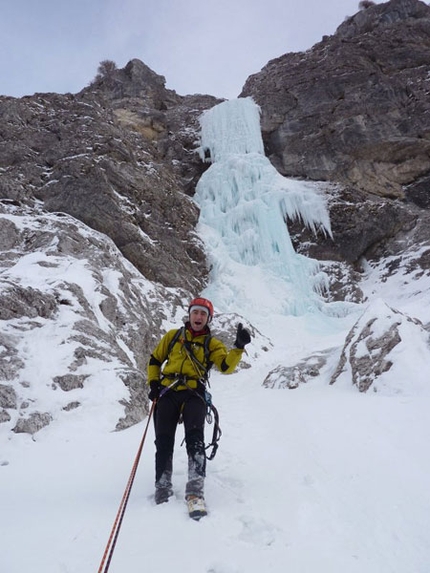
pixel 359 221
pixel 105 157
pixel 292 376
pixel 75 317
pixel 355 108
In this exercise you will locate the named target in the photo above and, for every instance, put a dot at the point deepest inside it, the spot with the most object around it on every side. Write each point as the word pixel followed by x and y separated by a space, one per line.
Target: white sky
pixel 200 47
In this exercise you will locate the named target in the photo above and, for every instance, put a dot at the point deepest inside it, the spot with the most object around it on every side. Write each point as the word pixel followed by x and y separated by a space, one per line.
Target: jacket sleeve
pixel 225 360
pixel 158 356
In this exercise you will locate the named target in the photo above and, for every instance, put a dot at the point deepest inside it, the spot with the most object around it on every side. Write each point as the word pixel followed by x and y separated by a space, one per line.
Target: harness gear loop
pixel 122 506
pixel 215 436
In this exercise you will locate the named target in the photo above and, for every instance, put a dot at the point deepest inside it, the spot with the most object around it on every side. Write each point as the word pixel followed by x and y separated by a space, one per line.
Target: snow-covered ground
pixel 320 478
pixel 314 478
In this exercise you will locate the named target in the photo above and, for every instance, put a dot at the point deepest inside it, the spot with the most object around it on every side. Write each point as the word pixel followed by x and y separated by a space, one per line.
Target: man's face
pixel 198 319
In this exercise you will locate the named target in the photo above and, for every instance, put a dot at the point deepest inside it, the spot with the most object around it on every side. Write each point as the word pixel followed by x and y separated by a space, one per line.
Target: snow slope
pixel 318 477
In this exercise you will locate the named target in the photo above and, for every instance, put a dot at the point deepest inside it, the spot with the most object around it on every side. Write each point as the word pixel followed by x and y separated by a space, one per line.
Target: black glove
pixel 154 391
pixel 242 336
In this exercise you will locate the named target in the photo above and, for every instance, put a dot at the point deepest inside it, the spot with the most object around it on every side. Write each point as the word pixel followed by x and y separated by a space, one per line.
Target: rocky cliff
pixel 355 110
pixel 115 157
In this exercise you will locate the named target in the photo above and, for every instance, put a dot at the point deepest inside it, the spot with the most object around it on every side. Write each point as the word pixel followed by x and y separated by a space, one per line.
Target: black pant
pixel 167 413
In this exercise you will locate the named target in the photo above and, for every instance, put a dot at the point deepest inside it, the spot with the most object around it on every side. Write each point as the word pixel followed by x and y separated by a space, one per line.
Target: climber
pixel 177 376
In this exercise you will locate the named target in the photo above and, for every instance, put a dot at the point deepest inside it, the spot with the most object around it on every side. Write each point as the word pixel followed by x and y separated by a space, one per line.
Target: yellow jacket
pixel 168 366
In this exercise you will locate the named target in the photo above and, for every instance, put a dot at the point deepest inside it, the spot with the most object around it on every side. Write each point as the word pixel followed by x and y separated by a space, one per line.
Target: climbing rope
pixel 110 547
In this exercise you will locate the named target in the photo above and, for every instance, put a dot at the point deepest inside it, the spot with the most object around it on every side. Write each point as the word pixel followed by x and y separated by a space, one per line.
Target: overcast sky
pixel 199 46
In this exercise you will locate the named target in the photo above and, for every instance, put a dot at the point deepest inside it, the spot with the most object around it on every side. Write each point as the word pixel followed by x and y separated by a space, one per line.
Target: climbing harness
pixel 122 506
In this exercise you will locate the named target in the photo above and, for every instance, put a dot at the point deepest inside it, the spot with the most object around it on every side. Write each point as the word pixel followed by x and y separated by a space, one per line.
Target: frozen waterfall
pixel 244 203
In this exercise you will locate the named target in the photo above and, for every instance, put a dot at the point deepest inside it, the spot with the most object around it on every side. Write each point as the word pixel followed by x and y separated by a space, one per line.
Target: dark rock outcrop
pixel 359 222
pixel 118 156
pixel 355 108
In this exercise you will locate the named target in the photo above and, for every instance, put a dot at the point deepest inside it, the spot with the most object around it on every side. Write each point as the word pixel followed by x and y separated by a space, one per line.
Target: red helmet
pixel 202 302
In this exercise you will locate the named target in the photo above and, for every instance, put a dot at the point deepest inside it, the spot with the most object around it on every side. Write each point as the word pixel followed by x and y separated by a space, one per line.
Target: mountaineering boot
pixel 162 495
pixel 163 487
pixel 196 468
pixel 196 507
